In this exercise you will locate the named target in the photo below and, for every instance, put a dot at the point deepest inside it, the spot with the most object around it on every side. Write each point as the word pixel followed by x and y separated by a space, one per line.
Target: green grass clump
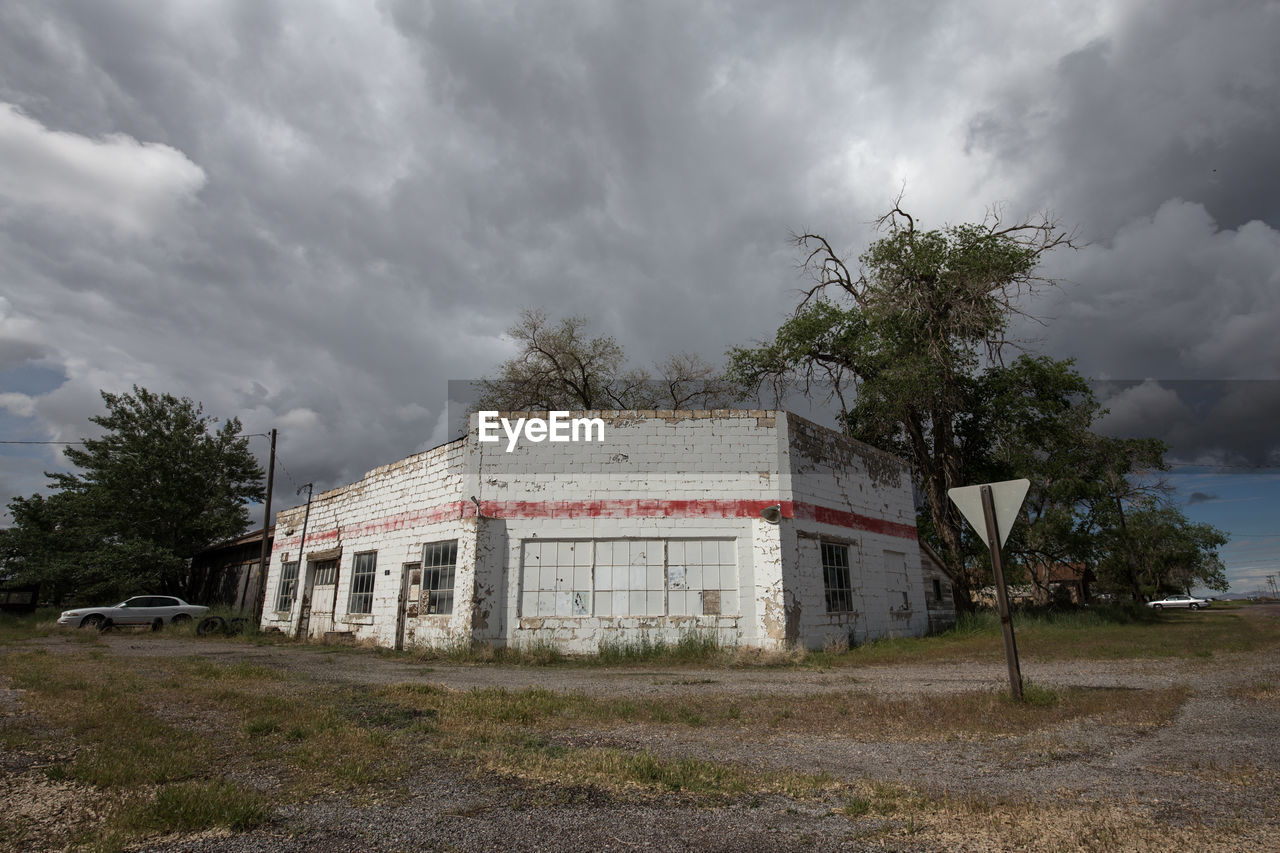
pixel 689 647
pixel 1037 696
pixel 191 807
pixel 16 627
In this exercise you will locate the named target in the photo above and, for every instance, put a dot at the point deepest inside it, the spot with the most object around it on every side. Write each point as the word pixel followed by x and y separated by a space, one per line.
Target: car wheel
pixel 210 625
pixel 1194 606
pixel 180 619
pixel 92 621
pixel 1158 607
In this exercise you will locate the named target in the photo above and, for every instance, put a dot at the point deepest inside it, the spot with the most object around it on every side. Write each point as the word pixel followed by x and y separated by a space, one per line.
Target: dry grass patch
pixel 1260 691
pixel 158 743
pixel 628 773
pixel 853 715
pixel 976 825
pixel 887 812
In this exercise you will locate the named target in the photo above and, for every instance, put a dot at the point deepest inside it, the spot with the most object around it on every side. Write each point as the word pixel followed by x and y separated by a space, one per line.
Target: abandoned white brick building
pixel 758 526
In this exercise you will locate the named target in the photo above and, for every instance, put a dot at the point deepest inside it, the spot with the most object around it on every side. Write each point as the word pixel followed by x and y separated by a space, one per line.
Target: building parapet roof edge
pixel 851 443
pixel 644 414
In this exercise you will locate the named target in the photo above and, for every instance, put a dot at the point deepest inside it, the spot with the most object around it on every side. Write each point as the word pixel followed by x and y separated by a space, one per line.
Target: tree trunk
pixel 1135 590
pixel 949 535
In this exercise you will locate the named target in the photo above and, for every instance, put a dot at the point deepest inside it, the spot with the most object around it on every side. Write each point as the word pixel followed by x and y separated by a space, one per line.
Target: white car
pixel 153 610
pixel 1179 601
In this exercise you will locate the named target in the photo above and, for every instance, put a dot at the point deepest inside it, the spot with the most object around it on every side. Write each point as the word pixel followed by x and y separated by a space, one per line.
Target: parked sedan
pixel 153 610
pixel 1179 601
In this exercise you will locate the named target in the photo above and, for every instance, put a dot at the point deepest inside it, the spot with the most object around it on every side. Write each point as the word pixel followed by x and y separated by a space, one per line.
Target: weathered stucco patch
pixel 820 446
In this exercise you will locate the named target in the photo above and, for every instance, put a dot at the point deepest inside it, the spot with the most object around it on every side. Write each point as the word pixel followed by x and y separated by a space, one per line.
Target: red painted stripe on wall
pixel 639 508
pixel 842 518
pixel 444 512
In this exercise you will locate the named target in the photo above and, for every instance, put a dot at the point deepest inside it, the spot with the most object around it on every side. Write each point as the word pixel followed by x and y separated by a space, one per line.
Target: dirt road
pixel 1212 775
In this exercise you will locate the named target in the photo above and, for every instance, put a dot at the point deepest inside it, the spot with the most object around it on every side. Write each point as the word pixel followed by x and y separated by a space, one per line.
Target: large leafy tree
pixel 901 342
pixel 1161 551
pixel 560 365
pixel 912 349
pixel 163 482
pixel 1030 418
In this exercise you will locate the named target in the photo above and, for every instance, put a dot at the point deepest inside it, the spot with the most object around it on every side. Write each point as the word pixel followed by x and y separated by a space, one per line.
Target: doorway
pixel 321 597
pixel 410 598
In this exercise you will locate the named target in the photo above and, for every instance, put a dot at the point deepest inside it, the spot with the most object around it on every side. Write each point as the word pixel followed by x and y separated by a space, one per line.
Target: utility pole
pixel 265 554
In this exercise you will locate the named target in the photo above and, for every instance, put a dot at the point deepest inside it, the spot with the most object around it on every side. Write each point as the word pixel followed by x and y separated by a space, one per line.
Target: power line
pixel 1214 466
pixel 86 440
pixel 6 441
pixel 282 467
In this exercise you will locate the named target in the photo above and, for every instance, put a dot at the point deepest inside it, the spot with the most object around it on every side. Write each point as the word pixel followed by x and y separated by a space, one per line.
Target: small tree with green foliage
pixel 161 484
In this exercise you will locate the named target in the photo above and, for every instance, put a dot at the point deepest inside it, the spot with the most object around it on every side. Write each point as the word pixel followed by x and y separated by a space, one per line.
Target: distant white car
pixel 153 610
pixel 1179 601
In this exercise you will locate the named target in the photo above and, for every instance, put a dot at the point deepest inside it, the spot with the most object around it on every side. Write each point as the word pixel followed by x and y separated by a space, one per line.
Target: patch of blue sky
pixel 1244 503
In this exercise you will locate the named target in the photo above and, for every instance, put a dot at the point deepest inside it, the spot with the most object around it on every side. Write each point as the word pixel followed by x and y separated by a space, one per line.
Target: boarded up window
pixel 895 580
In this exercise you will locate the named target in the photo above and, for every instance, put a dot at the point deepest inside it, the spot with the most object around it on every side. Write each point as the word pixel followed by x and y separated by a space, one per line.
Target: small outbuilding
pixel 759 527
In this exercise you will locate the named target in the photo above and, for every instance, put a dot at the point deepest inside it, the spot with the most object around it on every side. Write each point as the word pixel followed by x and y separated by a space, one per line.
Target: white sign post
pixel 991 509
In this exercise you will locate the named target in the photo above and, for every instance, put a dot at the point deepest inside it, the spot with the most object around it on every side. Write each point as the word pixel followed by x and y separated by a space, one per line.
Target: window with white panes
pixel 325 572
pixel 439 565
pixel 363 571
pixel 702 577
pixel 629 577
pixel 557 578
pixel 288 586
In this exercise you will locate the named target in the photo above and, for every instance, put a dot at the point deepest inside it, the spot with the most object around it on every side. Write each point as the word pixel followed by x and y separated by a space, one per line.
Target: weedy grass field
pixel 106 745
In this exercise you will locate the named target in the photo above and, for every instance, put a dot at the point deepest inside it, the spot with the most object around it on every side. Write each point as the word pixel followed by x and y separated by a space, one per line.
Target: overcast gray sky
pixel 313 215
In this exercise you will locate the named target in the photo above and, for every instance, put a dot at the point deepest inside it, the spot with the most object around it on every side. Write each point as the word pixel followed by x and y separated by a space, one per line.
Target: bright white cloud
pixel 117 179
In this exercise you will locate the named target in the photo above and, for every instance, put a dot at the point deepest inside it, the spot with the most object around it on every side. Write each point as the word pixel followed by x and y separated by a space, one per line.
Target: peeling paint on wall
pixel 663 476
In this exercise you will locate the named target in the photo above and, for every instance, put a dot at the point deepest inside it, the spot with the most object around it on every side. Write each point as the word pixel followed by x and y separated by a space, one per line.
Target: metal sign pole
pixel 1002 595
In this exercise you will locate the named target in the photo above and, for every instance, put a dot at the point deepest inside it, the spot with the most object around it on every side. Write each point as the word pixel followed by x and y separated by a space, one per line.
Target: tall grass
pixel 15 627
pixel 689 647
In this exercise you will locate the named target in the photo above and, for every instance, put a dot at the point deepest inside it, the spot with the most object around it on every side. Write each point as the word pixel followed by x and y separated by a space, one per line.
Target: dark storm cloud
pixel 1225 423
pixel 342 207
pixel 1177 102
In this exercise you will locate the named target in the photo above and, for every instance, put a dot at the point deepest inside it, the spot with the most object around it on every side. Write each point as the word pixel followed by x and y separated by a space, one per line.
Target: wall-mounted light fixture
pixel 772 514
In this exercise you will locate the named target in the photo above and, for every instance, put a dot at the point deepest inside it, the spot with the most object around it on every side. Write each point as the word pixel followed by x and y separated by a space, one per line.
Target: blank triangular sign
pixel 1006 496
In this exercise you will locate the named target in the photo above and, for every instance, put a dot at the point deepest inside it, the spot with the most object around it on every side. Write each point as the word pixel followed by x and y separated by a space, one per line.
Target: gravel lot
pixel 1213 776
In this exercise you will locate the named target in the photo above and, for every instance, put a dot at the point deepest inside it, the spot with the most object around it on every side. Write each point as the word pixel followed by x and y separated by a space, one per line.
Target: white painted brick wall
pixel 656 475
